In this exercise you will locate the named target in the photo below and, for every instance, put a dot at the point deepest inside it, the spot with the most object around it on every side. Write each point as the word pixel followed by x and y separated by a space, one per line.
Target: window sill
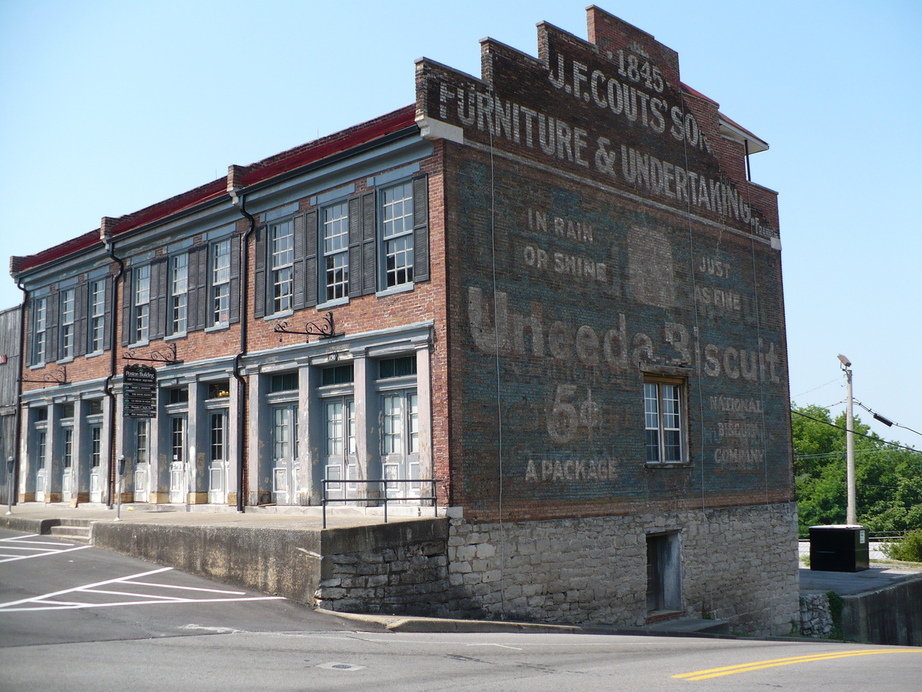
pixel 402 288
pixel 332 303
pixel 94 354
pixel 278 315
pixel 668 464
pixel 220 327
pixel 174 337
pixel 65 361
pixel 37 366
pixel 139 344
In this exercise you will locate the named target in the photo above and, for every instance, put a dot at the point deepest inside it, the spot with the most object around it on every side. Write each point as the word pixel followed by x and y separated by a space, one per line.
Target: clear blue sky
pixel 106 107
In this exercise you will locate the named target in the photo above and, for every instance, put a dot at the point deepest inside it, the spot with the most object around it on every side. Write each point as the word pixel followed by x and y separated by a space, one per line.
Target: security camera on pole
pixel 851 516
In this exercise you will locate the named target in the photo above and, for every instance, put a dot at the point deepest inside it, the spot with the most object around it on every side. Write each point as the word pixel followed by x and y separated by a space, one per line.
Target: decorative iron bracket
pixel 58 376
pixel 325 330
pixel 168 356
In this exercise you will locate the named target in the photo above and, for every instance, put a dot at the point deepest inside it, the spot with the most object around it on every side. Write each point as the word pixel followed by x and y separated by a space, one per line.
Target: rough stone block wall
pixel 399 579
pixel 815 615
pixel 737 565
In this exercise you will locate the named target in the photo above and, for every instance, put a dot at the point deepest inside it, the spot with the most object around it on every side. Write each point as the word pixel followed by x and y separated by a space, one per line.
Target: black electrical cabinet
pixel 839 548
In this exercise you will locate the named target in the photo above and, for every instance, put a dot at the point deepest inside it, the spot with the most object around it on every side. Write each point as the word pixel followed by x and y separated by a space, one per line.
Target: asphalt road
pixel 81 618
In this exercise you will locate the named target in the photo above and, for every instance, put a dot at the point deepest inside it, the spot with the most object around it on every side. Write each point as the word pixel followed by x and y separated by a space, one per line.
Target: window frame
pixel 39 335
pixel 96 320
pixel 282 303
pixel 141 306
pixel 340 288
pixel 680 399
pixel 217 284
pixel 404 236
pixel 178 294
pixel 68 319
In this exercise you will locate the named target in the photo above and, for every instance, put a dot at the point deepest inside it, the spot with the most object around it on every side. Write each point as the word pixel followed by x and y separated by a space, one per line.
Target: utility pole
pixel 851 516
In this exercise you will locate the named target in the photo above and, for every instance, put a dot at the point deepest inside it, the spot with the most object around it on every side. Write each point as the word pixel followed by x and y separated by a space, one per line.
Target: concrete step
pixel 78 534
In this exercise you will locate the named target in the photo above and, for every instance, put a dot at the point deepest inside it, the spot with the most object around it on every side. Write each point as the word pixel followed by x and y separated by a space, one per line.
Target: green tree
pixel 888 479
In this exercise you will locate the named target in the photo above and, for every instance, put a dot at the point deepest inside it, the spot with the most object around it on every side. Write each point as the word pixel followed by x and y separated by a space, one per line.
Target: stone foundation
pixel 736 564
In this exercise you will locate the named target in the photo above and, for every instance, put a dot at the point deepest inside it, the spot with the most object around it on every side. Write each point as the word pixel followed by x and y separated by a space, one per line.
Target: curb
pixel 401 623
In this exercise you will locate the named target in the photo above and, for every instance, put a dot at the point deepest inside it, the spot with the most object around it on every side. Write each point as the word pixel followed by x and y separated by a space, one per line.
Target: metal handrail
pixel 384 498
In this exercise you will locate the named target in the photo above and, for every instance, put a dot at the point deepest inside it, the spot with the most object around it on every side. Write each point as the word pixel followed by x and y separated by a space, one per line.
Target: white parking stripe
pixel 128 593
pixel 50 601
pixel 21 539
pixel 3 606
pixel 76 606
pixel 46 554
pixel 187 588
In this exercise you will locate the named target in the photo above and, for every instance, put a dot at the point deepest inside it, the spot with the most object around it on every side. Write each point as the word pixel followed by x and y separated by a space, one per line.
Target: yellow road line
pixel 773 663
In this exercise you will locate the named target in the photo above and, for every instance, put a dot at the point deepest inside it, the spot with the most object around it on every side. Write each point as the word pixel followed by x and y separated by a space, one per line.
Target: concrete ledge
pixel 274 561
pixel 27 524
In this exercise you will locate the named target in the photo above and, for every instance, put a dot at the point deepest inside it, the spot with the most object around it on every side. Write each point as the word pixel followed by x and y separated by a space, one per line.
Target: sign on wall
pixel 139 391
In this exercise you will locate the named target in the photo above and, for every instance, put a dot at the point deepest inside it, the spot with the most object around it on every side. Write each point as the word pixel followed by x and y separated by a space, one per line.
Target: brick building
pixel 552 288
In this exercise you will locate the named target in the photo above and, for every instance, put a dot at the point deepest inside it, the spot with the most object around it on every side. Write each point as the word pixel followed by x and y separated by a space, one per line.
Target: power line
pixel 870 437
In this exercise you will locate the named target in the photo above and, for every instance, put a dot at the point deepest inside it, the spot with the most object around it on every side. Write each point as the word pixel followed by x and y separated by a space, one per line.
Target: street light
pixel 851 517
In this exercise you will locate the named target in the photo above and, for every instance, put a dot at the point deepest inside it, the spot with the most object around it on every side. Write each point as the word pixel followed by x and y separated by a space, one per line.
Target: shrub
pixel 909 548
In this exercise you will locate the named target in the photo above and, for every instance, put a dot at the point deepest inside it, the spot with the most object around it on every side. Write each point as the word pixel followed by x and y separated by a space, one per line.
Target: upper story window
pixel 336 251
pixel 397 234
pixel 141 331
pixel 97 323
pixel 281 254
pixel 178 395
pixel 179 287
pixel 403 366
pixel 67 323
pixel 39 329
pixel 220 282
pixel 664 421
pixel 338 374
pixel 283 382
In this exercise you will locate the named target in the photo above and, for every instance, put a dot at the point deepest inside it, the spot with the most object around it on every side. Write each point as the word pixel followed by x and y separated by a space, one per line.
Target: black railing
pixel 382 497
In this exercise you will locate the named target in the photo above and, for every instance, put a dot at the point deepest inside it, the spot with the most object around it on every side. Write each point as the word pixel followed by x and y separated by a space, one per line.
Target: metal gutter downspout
pixel 106 238
pixel 242 389
pixel 13 477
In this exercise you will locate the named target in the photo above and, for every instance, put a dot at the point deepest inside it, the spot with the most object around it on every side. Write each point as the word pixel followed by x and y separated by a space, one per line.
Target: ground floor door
pixel 141 482
pixel 178 484
pixel 141 473
pixel 284 453
pixel 41 475
pixel 68 477
pixel 217 458
pixel 340 461
pixel 663 573
pixel 97 469
pixel 400 442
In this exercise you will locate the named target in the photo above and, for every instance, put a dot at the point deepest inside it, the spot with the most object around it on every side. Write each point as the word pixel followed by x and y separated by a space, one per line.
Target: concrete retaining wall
pixel 278 562
pixel 888 616
pixel 375 568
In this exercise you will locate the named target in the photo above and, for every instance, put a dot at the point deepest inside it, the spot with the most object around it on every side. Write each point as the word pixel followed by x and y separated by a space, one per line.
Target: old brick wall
pixel 603 233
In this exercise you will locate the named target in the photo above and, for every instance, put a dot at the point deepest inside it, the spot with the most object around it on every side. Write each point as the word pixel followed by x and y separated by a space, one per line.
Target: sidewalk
pixel 270 517
pixel 881 574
